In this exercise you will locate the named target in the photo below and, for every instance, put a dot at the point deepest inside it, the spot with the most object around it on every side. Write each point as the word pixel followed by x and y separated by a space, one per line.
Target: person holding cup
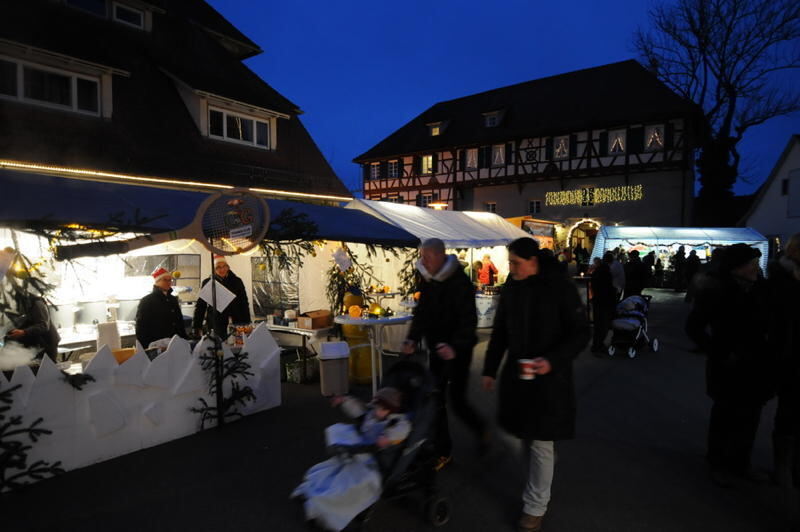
pixel 541 327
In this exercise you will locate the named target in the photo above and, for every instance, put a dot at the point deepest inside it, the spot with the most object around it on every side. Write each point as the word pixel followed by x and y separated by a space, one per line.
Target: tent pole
pixel 218 354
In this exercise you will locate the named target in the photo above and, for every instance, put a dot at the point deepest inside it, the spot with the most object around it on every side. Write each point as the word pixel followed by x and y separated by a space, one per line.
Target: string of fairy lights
pixel 584 196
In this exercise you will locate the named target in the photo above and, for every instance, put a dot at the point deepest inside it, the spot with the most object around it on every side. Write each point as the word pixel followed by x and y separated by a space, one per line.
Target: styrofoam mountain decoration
pixel 134 405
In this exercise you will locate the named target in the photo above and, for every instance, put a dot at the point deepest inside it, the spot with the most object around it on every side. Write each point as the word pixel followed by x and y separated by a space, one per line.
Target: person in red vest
pixel 488 272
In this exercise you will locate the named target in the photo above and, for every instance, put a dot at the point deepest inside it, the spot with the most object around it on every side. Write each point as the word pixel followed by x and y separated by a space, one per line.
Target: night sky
pixel 361 69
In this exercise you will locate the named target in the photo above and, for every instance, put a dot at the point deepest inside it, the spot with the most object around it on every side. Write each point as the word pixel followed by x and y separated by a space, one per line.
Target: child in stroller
pixel 629 326
pixel 382 455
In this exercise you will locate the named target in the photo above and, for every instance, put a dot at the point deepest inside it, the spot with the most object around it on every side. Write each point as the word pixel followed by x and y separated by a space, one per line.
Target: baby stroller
pixel 629 326
pixel 407 468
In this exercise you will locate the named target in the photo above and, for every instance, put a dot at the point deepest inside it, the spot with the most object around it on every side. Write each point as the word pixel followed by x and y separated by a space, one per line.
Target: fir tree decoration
pixel 235 369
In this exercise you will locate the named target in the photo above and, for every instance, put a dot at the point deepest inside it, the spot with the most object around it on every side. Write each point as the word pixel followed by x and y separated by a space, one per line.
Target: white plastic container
pixel 334 359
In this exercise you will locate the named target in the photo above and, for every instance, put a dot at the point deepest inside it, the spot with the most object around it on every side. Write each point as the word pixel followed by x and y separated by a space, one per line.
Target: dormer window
pixel 616 141
pixel 128 15
pixel 435 129
pixel 654 138
pixel 561 147
pixel 238 128
pixel 491 119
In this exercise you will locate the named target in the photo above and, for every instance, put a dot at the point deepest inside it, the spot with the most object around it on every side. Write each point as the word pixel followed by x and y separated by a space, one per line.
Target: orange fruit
pixel 354 311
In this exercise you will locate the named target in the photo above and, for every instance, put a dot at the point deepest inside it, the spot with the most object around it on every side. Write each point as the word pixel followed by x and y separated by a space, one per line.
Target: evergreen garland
pixel 236 369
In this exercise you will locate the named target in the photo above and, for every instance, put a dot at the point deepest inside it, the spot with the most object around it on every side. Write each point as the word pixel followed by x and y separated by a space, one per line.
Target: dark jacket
pixel 158 316
pixel 40 331
pixel 603 291
pixel 635 277
pixel 238 311
pixel 784 322
pixel 729 322
pixel 446 310
pixel 541 316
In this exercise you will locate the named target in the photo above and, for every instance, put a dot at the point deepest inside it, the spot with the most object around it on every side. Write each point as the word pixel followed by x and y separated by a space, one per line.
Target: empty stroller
pixel 629 326
pixel 400 469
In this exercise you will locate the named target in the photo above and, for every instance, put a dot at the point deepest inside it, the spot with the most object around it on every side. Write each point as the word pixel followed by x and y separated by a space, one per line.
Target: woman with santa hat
pixel 159 313
pixel 237 312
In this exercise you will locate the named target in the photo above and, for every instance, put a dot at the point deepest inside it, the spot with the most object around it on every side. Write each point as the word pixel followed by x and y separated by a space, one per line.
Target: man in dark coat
pixel 540 320
pixel 159 313
pixel 34 328
pixel 604 298
pixel 635 275
pixel 445 317
pixel 784 336
pixel 729 323
pixel 238 311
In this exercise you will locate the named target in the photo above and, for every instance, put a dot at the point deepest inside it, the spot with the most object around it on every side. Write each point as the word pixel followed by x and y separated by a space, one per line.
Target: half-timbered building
pixel 606 145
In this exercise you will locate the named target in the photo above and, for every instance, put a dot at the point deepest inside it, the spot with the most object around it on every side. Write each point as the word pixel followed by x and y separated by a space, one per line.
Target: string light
pixel 601 195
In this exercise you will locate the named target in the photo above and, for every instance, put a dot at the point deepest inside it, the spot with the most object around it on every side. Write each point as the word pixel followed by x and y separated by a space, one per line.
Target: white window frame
pixel 499 155
pixel 490 206
pixel 393 170
pixel 613 136
pixel 537 206
pixel 375 171
pixel 225 137
pixel 74 76
pixel 471 159
pixel 114 6
pixel 425 199
pixel 648 132
pixel 426 165
pixel 557 142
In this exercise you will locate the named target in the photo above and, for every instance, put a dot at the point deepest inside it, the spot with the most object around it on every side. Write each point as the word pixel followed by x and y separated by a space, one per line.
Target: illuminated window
pixel 128 15
pixel 587 197
pixel 472 158
pixel 375 171
pixel 238 128
pixel 435 129
pixel 498 155
pixel 394 168
pixel 616 141
pixel 50 87
pixel 534 206
pixel 561 147
pixel 654 138
pixel 394 198
pixel 427 164
pixel 490 206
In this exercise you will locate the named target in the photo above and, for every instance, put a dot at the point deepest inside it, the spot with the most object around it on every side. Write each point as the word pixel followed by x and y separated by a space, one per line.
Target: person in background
pixel 649 262
pixel 476 270
pixel 729 322
pixel 783 286
pixel 488 273
pixel 658 274
pixel 446 318
pixel 540 327
pixel 604 298
pixel 617 273
pixel 238 311
pixel 678 264
pixel 159 312
pixel 635 275
pixel 35 329
pixel 691 268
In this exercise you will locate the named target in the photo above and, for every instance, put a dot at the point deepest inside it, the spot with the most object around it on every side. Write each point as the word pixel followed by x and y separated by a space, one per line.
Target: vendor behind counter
pixel 238 311
pixel 159 312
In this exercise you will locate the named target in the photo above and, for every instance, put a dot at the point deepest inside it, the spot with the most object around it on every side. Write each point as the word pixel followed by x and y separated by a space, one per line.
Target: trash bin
pixel 334 358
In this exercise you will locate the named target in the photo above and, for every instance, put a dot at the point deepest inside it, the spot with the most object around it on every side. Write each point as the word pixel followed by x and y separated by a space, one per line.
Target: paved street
pixel 637 464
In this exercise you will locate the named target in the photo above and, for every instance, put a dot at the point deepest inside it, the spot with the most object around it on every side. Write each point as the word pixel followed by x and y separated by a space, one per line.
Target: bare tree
pixel 726 56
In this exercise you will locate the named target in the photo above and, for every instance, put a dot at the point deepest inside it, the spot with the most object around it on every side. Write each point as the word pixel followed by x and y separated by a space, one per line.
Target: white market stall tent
pixel 610 237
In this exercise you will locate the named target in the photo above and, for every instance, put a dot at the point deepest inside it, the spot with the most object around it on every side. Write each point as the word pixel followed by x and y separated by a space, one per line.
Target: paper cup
pixel 526 369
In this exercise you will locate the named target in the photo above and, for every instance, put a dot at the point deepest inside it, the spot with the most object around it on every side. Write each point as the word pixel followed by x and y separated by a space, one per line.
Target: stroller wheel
pixel 631 352
pixel 612 350
pixel 654 345
pixel 437 510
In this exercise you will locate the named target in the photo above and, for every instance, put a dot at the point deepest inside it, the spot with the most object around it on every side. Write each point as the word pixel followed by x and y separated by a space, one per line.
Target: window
pixel 186 263
pixel 491 120
pixel 275 287
pixel 394 168
pixel 534 206
pixel 375 171
pixel 423 200
pixel 616 141
pixel 561 150
pixel 587 197
pixel 96 7
pixel 472 158
pixel 654 138
pixel 435 129
pixel 490 206
pixel 128 15
pixel 49 87
pixel 498 155
pixel 238 128
pixel 394 198
pixel 427 164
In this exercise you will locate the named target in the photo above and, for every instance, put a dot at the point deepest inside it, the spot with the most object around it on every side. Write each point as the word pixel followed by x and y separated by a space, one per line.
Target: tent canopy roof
pixel 457 229
pixel 38 200
pixel 678 235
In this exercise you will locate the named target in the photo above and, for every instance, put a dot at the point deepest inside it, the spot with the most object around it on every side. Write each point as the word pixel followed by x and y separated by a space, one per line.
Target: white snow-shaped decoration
pixel 259 345
pixel 155 413
pixel 132 370
pixel 23 375
pixel 48 371
pixel 157 373
pixel 167 368
pixel 202 346
pixel 194 379
pixel 105 413
pixel 3 381
pixel 179 352
pixel 139 347
pixel 103 365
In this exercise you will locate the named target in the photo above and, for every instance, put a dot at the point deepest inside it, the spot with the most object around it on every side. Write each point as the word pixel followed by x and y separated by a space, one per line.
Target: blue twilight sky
pixel 361 69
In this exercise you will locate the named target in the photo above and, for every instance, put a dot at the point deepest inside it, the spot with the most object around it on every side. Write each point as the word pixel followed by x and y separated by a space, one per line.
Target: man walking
pixel 445 318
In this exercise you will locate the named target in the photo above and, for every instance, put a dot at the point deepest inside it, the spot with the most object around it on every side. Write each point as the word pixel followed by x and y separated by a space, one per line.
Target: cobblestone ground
pixel 637 464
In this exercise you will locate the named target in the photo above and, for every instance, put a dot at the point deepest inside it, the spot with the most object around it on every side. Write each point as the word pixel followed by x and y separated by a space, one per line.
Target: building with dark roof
pixel 151 88
pixel 605 145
